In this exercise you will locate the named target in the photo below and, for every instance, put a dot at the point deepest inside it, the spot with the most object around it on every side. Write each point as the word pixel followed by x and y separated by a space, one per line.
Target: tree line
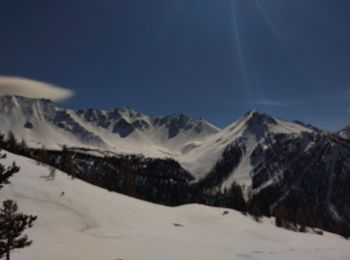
pixel 12 222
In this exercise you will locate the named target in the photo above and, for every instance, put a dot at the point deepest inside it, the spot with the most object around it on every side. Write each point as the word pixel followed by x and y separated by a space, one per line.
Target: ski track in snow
pixel 87 222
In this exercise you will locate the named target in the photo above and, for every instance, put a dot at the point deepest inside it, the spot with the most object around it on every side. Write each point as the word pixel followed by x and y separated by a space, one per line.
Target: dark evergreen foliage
pixel 343 229
pixel 6 172
pixel 223 168
pixel 11 142
pixel 12 226
pixel 12 223
pixel 236 198
pixel 256 213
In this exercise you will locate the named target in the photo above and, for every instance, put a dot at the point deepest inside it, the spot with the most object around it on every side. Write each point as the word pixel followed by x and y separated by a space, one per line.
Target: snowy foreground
pixel 91 223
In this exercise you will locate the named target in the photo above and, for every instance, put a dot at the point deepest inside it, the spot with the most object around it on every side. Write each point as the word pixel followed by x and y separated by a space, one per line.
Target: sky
pixel 214 59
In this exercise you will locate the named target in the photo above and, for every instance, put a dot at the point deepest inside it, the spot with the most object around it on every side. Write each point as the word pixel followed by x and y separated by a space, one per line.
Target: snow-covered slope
pixel 123 130
pixel 246 133
pixel 91 223
pixel 196 144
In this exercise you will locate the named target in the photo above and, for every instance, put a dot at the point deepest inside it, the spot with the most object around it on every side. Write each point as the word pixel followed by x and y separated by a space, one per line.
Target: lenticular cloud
pixel 32 88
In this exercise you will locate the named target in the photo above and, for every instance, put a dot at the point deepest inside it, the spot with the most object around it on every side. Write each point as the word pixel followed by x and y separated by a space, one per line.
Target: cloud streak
pixel 272 103
pixel 263 102
pixel 278 103
pixel 33 89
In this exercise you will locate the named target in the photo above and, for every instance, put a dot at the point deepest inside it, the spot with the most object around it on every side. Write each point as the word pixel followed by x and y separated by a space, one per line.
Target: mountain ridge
pixel 40 120
pixel 195 143
pixel 274 162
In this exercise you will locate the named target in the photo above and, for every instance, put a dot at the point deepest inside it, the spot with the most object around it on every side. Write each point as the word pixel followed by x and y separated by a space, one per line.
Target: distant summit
pixel 345 133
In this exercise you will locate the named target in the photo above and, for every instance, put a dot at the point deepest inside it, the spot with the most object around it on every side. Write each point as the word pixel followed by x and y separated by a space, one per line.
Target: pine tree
pixel 256 213
pixel 22 147
pixel 43 155
pixel 302 219
pixel 11 142
pixel 6 172
pixel 2 140
pixel 343 229
pixel 127 172
pixel 12 225
pixel 236 198
pixel 67 162
pixel 281 214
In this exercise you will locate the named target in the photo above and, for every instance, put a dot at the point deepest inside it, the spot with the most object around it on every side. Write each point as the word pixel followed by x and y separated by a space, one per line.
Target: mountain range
pixel 274 161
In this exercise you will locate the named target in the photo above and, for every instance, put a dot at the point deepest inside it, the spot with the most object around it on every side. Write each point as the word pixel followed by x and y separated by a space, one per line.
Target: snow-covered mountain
pixel 245 133
pixel 196 144
pixel 345 133
pixel 122 130
pixel 274 161
pixel 87 222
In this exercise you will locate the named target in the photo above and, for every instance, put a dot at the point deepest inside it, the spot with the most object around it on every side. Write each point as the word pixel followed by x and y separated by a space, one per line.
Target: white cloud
pixel 32 88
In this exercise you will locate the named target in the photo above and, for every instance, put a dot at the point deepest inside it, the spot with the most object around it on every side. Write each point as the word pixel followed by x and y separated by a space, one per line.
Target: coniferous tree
pixel 2 140
pixel 343 229
pixel 22 147
pixel 281 215
pixel 67 162
pixel 129 177
pixel 12 226
pixel 256 213
pixel 6 172
pixel 323 223
pixel 11 142
pixel 302 219
pixel 43 155
pixel 236 197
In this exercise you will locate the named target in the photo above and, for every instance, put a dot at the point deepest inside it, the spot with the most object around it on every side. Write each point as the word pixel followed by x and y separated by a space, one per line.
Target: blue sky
pixel 214 59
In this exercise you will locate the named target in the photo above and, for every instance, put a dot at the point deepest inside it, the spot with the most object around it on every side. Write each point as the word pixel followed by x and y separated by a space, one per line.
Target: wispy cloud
pixel 32 88
pixel 347 94
pixel 278 103
pixel 272 103
pixel 259 102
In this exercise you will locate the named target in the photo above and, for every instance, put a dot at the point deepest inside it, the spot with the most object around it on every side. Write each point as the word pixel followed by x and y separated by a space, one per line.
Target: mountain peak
pixel 255 117
pixel 255 112
pixel 28 106
pixel 21 99
pixel 345 132
pixel 126 109
pixel 128 112
pixel 259 124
